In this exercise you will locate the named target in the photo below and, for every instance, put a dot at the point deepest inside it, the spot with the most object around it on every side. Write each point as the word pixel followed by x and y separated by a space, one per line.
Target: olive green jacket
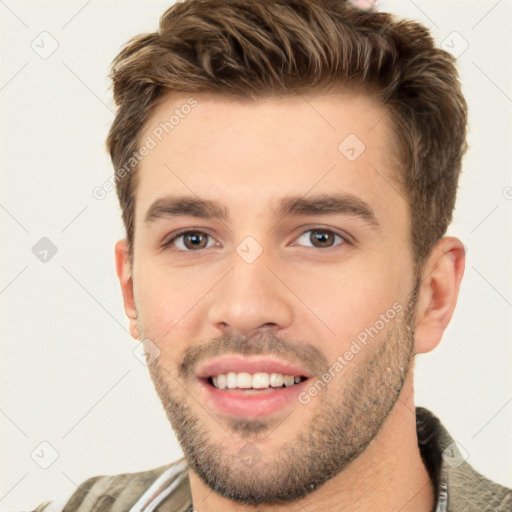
pixel 459 488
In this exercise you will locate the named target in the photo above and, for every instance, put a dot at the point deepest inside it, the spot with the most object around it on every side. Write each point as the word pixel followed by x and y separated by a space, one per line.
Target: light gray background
pixel 69 376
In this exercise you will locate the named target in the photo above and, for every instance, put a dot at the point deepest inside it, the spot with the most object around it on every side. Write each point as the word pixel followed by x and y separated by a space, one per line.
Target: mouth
pixel 256 381
pixel 250 387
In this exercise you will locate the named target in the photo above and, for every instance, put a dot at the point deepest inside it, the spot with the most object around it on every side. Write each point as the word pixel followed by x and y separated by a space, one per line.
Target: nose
pixel 251 298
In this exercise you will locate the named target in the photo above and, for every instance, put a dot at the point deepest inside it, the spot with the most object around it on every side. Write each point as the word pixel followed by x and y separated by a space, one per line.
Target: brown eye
pixel 190 241
pixel 320 239
pixel 195 240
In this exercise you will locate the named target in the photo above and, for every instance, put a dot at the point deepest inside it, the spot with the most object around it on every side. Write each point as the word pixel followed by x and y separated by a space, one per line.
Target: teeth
pixel 288 380
pixel 222 381
pixel 243 380
pixel 231 380
pixel 260 380
pixel 276 380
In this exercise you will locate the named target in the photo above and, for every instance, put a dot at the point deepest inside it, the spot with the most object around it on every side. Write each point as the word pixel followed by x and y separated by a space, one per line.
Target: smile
pixel 259 380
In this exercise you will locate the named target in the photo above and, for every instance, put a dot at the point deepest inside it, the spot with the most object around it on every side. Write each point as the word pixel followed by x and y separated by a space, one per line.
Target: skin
pixel 247 155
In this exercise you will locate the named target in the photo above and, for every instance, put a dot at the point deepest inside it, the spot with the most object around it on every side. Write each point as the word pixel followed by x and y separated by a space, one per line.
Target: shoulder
pixel 472 492
pixel 458 484
pixel 116 492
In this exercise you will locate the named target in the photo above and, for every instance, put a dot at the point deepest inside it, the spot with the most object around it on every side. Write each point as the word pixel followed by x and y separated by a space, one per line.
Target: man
pixel 287 171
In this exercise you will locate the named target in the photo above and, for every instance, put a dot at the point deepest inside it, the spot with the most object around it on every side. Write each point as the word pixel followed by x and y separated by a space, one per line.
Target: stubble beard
pixel 349 413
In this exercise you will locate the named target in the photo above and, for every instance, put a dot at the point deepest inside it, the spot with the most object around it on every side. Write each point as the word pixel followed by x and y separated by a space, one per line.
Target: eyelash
pixel 169 243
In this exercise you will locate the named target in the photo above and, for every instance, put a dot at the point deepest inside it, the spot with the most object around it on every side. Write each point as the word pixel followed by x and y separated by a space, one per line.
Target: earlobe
pixel 438 293
pixel 124 274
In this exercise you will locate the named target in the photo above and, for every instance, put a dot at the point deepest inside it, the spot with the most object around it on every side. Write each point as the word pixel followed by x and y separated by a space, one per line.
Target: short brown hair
pixel 253 49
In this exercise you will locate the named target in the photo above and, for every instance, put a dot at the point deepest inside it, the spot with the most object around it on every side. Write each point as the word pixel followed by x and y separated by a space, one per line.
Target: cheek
pixel 346 302
pixel 172 302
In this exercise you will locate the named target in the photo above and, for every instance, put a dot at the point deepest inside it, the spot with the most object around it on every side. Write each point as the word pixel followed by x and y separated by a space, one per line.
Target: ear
pixel 124 274
pixel 438 293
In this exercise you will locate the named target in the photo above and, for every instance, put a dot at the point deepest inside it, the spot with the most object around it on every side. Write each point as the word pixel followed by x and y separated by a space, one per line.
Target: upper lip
pixel 249 364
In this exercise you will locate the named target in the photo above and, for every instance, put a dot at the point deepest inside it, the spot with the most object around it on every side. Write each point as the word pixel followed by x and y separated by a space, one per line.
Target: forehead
pixel 252 152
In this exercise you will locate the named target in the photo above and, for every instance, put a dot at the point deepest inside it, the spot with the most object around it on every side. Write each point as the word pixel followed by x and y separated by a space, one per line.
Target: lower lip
pixel 253 405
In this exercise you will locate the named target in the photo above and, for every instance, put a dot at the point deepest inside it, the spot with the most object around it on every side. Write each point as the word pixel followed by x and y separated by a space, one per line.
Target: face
pixel 273 275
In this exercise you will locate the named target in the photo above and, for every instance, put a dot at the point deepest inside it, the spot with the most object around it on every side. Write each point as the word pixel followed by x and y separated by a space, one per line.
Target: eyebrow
pixel 319 204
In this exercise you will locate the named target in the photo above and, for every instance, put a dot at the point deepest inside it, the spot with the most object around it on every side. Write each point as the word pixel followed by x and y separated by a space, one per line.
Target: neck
pixel 388 476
